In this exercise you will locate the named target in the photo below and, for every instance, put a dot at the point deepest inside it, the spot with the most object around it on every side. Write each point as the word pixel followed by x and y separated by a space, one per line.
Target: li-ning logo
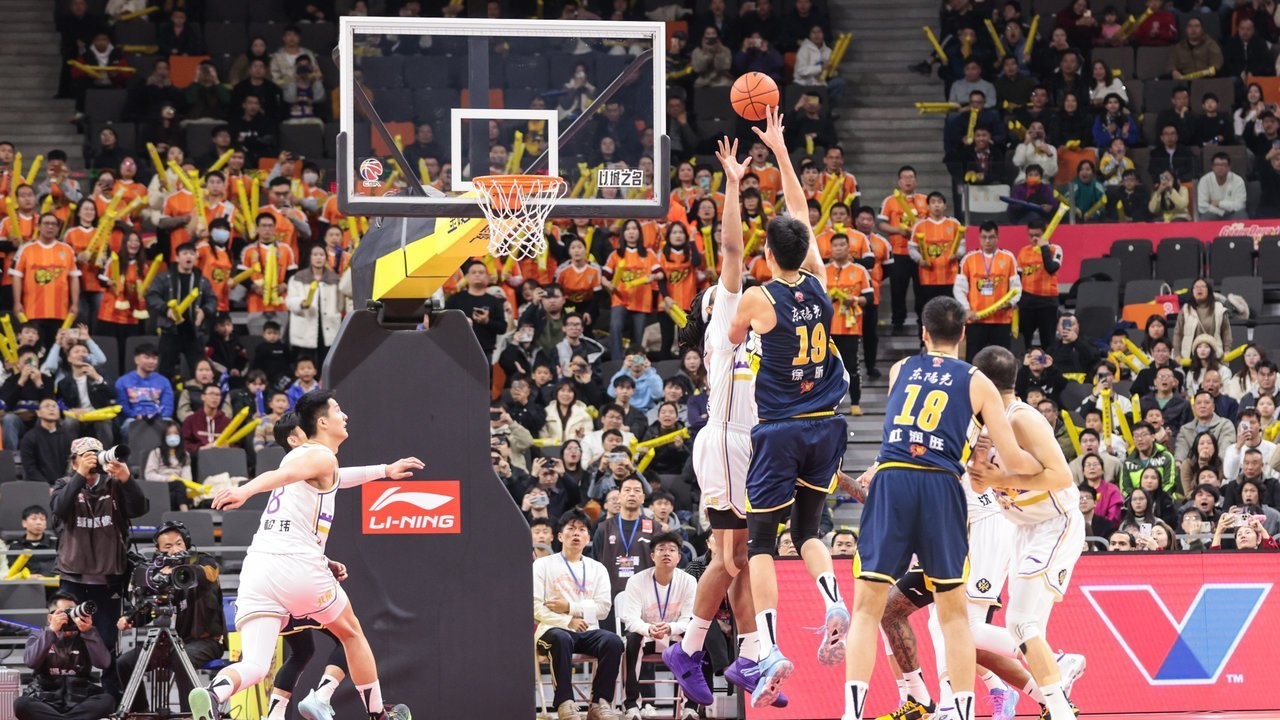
pixel 415 507
pixel 1191 651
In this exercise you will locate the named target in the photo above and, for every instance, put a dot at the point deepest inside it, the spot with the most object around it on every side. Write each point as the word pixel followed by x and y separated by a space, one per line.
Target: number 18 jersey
pixel 929 421
pixel 801 373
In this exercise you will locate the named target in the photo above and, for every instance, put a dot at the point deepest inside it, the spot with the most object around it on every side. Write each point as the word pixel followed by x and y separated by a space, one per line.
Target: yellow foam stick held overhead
pixel 159 166
pixel 221 162
pixel 995 37
pixel 230 430
pixel 1031 36
pixel 150 277
pixel 30 178
pixel 1136 351
pixel 1055 221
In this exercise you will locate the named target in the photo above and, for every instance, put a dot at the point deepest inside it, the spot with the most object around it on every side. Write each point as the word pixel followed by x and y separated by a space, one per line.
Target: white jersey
pixel 1023 507
pixel 731 375
pixel 298 516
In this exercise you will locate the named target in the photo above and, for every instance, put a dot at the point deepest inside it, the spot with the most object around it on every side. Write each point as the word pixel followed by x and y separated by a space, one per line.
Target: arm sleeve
pixel 1051 259
pixel 349 477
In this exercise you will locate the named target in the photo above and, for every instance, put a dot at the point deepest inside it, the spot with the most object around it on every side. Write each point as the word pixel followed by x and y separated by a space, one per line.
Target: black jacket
pixel 44 454
pixel 199 610
pixel 94 524
pixel 63 666
pixel 101 394
pixel 1252 58
pixel 169 288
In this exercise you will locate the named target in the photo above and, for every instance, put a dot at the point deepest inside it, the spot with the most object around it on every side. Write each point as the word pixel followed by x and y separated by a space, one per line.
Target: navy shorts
pixel 806 451
pixel 914 511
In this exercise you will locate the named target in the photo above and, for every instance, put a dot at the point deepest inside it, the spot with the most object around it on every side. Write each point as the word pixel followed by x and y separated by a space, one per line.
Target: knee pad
pixel 1022 626
pixel 806 516
pixel 762 533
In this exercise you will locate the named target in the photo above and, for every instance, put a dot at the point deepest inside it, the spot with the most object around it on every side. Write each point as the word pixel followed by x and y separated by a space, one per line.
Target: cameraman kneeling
pixel 63 656
pixel 184 583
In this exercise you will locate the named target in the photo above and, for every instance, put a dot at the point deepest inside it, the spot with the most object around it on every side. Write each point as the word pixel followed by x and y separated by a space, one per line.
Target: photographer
pixel 182 583
pixel 94 510
pixel 62 657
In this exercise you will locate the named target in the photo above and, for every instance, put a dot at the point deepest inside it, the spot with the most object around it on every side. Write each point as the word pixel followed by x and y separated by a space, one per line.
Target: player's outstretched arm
pixel 349 477
pixel 987 403
pixel 301 469
pixel 731 218
pixel 1036 436
pixel 792 190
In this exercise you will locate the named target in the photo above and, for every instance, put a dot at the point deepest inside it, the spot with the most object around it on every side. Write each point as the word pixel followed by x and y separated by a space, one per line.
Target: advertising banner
pixel 1161 632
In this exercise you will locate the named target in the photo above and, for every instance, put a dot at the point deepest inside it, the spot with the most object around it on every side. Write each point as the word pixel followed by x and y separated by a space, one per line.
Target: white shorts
pixel 721 457
pixel 1049 550
pixel 287 586
pixel 990 554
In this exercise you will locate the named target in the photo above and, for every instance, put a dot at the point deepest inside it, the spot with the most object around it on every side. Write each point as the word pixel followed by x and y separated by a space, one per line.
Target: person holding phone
pixel 1249 534
pixel 485 311
pixel 1070 352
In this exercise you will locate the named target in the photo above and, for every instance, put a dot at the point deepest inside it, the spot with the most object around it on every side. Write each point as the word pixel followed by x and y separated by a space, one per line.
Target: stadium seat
pixel 711 103
pixel 198 141
pixel 1267 337
pixel 528 71
pixel 394 106
pixel 1134 256
pixel 126 135
pixel 433 106
pixel 268 459
pixel 1096 321
pixel 1101 268
pixel 1119 58
pixel 1142 291
pixel 211 461
pixel 8 470
pixel 667 369
pixel 383 72
pixel 1230 256
pixel 231 11
pixel 303 138
pixel 1137 93
pixel 136 32
pixel 561 66
pixel 1098 293
pixel 199 525
pixel 1179 257
pixel 1269 259
pixel 225 38
pixel 157 505
pixel 1223 87
pixel 104 105
pixel 1151 63
pixel 1141 156
pixel 238 527
pixel 23 602
pixel 1073 394
pixel 19 495
pixel 267 10
pixel 1247 287
pixel 143 438
pixel 320 38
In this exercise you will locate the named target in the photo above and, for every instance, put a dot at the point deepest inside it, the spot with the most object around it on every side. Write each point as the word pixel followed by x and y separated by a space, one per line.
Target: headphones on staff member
pixel 169 526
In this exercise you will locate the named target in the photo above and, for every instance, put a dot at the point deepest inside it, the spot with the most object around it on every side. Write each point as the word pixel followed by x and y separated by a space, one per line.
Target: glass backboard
pixel 428 104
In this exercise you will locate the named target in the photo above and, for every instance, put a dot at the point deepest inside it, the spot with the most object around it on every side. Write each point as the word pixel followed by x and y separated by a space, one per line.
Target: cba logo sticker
pixel 1167 651
pixel 371 171
pixel 414 507
pixel 983 585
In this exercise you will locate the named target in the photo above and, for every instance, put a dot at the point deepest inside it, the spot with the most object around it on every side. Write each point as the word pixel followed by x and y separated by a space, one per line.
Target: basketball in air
pixel 752 95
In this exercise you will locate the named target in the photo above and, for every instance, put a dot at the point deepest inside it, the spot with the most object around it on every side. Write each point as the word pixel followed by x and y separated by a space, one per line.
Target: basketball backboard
pixel 584 100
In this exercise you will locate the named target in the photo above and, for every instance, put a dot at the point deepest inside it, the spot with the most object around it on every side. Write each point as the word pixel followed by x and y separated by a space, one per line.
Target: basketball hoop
pixel 517 207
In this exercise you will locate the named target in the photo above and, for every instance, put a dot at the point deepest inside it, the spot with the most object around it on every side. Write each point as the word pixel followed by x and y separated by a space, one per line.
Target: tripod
pixel 157 647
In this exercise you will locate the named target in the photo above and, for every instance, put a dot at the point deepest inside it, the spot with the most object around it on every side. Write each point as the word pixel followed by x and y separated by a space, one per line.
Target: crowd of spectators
pixel 1154 116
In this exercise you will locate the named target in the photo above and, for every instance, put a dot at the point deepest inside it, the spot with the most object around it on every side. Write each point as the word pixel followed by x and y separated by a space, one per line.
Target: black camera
pixel 85 609
pixel 181 576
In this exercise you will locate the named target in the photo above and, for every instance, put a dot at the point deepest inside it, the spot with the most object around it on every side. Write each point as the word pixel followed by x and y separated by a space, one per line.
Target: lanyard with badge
pixel 588 608
pixel 987 286
pixel 627 563
pixel 663 605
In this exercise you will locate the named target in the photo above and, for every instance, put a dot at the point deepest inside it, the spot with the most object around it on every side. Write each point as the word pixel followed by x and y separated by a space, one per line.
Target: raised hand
pixel 727 154
pixel 772 134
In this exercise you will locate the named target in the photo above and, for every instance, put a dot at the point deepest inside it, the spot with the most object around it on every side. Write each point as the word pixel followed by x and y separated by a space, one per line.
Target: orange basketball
pixel 752 94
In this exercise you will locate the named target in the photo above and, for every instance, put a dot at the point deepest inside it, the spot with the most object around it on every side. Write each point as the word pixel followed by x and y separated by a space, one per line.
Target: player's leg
pixel 258 636
pixel 1030 602
pixel 943 553
pixel 884 548
pixel 744 672
pixel 318 704
pixel 684 659
pixel 848 347
pixel 363 667
pixel 300 646
pixel 906 597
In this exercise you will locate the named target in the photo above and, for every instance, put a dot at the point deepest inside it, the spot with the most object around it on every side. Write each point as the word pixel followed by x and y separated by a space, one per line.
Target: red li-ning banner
pixel 1093 241
pixel 412 507
pixel 1161 633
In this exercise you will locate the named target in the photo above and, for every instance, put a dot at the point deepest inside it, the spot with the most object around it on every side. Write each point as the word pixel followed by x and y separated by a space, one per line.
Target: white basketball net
pixel 517 212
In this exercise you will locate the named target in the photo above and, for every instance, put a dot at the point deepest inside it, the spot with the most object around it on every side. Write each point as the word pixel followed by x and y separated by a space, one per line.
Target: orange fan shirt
pixel 46 272
pixel 580 284
pixel 853 281
pixel 286 233
pixel 1035 279
pixel 892 212
pixel 758 268
pixel 848 183
pixel 79 238
pixel 770 181
pixel 935 238
pixel 129 279
pixel 631 267
pixel 682 276
pixel 883 253
pixel 179 202
pixel 529 269
pixel 216 265
pixel 255 254
pixel 989 278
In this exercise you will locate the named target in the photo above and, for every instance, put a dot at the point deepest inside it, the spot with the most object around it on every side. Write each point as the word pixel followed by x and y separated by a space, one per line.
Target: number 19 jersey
pixel 801 373
pixel 929 421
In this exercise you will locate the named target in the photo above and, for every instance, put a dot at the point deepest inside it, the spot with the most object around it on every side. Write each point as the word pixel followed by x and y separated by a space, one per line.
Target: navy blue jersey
pixel 929 421
pixel 800 370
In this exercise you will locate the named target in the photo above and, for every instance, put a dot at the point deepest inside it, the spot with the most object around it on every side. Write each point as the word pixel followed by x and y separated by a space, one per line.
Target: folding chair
pixel 1230 257
pixel 1134 256
pixel 1179 257
pixel 654 658
pixel 584 669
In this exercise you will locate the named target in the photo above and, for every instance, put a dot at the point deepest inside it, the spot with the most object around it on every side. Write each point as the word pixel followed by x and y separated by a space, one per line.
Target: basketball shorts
pixel 804 451
pixel 297 586
pixel 721 458
pixel 1049 550
pixel 990 553
pixel 914 510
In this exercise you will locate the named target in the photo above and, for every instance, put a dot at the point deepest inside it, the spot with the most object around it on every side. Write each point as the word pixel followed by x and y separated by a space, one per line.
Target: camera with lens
pixel 85 609
pixel 157 599
pixel 111 454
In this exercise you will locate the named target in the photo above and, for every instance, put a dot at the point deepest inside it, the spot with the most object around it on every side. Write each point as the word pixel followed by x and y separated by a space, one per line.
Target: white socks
pixel 767 630
pixel 222 689
pixel 829 590
pixel 1033 690
pixel 371 695
pixel 749 645
pixel 327 685
pixel 992 682
pixel 902 691
pixel 1056 701
pixel 855 699
pixel 963 705
pixel 277 707
pixel 696 635
pixel 916 687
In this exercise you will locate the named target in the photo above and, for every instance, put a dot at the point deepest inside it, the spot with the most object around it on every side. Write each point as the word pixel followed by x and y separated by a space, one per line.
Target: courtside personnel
pixel 916 504
pixel 285 572
pixel 799 440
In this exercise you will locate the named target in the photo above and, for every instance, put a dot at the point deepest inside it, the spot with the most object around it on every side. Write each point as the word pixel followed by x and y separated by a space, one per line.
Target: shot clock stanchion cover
pixel 1162 632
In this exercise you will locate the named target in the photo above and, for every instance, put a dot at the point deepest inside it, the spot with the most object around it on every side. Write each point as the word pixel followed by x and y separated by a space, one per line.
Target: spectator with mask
pixel 93 506
pixel 62 656
pixel 199 618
